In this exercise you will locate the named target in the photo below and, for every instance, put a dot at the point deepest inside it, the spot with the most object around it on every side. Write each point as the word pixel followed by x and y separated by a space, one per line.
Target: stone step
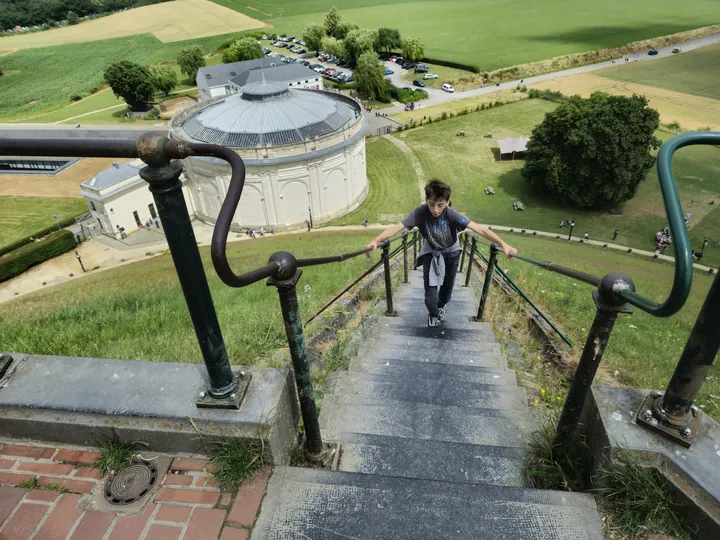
pixel 433 371
pixel 330 505
pixel 491 357
pixel 430 346
pixel 370 389
pixel 428 422
pixel 451 320
pixel 431 460
pixel 447 335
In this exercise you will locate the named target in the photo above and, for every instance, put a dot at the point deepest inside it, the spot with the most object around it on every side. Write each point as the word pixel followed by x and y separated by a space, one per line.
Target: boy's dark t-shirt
pixel 440 232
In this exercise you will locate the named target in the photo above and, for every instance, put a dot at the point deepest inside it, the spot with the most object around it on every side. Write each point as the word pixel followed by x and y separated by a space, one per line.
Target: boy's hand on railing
pixel 509 250
pixel 371 245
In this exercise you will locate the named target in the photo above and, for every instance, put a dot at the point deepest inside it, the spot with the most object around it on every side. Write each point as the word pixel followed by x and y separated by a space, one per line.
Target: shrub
pixel 549 95
pixel 444 115
pixel 75 97
pixel 447 63
pixel 404 95
pixel 38 234
pixel 16 262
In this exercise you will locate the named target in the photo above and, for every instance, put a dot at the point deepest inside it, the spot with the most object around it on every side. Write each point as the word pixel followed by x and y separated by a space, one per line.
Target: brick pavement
pixel 187 506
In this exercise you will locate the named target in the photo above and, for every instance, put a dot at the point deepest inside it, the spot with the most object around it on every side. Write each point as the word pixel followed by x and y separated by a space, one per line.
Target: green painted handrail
pixel 682 281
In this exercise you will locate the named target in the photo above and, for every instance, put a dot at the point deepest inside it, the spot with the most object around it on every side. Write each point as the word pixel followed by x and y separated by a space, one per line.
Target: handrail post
pixel 473 246
pixel 388 279
pixel 166 188
pixel 415 243
pixel 405 258
pixel 609 303
pixel 486 284
pixel 286 282
pixel 672 414
pixel 462 253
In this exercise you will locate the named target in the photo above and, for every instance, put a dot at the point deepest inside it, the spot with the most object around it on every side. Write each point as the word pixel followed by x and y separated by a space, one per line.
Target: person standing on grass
pixel 365 223
pixel 439 226
pixel 615 234
pixel 587 237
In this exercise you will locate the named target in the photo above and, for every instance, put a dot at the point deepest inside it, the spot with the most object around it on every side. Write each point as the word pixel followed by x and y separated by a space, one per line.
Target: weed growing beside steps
pixel 115 453
pixel 236 460
pixel 33 484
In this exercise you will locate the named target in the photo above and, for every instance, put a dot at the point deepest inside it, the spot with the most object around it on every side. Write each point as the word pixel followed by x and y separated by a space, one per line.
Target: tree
pixel 388 39
pixel 370 77
pixel 72 18
pixel 334 46
pixel 164 79
pixel 593 152
pixel 190 60
pixel 243 49
pixel 358 42
pixel 332 21
pixel 313 36
pixel 343 29
pixel 413 49
pixel 131 82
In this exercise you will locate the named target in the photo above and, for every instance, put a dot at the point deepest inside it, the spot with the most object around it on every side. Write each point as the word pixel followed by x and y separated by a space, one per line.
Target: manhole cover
pixel 131 483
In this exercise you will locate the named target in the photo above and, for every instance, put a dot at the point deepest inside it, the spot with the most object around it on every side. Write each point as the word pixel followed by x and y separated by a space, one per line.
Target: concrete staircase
pixel 433 431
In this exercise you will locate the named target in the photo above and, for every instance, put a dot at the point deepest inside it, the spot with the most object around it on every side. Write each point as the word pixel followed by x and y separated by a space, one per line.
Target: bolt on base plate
pixel 646 417
pixel 233 401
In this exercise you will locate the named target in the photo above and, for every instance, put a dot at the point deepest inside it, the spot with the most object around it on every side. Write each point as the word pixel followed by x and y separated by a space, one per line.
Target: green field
pixel 694 72
pixel 393 186
pixel 469 164
pixel 36 81
pixel 138 311
pixel 23 216
pixel 491 35
pixel 645 356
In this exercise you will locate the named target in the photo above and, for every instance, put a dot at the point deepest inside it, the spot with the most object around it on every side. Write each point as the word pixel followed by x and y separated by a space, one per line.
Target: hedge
pixel 38 234
pixel 54 244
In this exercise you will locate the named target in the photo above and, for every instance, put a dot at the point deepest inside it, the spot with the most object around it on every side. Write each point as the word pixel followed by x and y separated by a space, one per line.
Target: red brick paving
pixel 192 504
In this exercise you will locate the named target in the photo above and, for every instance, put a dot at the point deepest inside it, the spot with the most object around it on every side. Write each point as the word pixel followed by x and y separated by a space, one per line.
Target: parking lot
pixel 292 49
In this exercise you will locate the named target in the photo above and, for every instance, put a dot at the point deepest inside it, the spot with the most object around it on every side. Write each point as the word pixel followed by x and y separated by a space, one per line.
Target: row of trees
pixel 39 12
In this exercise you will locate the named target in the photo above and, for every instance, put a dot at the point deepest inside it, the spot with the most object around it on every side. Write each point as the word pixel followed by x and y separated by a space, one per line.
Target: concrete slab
pixel 429 370
pixel 695 472
pixel 79 400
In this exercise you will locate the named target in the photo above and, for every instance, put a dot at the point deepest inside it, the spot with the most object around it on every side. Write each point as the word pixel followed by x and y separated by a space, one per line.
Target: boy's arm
pixel 487 233
pixel 387 233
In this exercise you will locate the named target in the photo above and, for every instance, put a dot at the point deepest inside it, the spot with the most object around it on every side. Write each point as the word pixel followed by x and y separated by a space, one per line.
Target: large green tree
pixel 413 49
pixel 343 29
pixel 190 60
pixel 388 39
pixel 131 82
pixel 164 79
pixel 332 21
pixel 72 18
pixel 358 42
pixel 369 75
pixel 245 48
pixel 313 36
pixel 334 46
pixel 593 152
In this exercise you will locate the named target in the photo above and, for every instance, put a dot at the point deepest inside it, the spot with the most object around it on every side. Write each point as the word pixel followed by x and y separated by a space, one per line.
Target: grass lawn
pixel 694 72
pixel 491 35
pixel 138 311
pixel 393 186
pixel 645 356
pixel 23 216
pixel 456 77
pixel 473 166
pixel 435 111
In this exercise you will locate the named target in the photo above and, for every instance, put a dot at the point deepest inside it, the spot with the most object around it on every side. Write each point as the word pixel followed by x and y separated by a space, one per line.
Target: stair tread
pixel 444 333
pixel 493 359
pixel 435 371
pixel 325 505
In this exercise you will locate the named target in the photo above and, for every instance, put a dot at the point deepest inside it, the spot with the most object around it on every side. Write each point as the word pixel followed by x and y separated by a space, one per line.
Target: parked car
pixel 306 63
pixel 652 52
pixel 419 83
pixel 266 51
pixel 430 76
pixel 318 69
pixel 301 42
pixel 264 36
pixel 349 80
pixel 448 88
pixel 676 50
pixel 399 60
pixel 389 71
pixel 392 58
pixel 408 65
pixel 290 38
pixel 328 71
pixel 302 51
pixel 421 68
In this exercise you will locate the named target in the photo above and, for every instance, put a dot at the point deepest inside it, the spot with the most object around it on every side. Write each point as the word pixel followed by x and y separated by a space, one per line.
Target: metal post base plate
pixel 682 435
pixel 233 401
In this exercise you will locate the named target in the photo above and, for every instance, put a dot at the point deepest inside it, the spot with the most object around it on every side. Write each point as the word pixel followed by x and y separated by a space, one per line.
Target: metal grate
pixel 131 483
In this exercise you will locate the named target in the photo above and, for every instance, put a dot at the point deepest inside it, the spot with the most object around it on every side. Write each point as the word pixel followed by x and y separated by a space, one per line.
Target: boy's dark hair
pixel 435 189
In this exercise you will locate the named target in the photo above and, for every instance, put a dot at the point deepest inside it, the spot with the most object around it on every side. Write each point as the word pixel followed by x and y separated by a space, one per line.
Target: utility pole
pixel 57 221
pixel 310 214
pixel 572 225
pixel 77 256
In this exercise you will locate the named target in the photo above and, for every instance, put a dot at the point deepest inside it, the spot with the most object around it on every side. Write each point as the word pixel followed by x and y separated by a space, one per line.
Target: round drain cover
pixel 131 483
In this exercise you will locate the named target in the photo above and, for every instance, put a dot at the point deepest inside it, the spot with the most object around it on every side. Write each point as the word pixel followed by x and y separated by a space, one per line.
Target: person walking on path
pixel 272 229
pixel 587 237
pixel 365 222
pixel 439 226
pixel 615 235
pixel 307 223
pixel 157 223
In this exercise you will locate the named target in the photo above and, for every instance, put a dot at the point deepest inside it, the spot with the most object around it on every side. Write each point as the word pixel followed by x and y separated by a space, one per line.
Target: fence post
pixel 486 284
pixel 164 180
pixel 415 243
pixel 405 258
pixel 462 254
pixel 286 286
pixel 609 303
pixel 473 245
pixel 388 279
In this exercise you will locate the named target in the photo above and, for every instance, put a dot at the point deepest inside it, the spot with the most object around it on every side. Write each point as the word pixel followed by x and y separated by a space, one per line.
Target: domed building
pixel 304 151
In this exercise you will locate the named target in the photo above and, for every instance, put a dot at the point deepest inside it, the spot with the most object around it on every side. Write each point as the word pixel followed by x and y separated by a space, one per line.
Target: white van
pixel 448 88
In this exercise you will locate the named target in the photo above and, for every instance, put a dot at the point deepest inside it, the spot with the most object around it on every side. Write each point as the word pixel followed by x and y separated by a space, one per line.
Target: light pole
pixel 77 256
pixel 57 221
pixel 572 225
pixel 310 214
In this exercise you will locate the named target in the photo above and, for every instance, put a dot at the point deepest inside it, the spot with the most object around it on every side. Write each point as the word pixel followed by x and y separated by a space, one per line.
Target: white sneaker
pixel 433 321
pixel 442 313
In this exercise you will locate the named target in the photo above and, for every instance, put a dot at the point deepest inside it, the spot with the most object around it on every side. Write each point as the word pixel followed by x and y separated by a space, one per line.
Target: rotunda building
pixel 304 152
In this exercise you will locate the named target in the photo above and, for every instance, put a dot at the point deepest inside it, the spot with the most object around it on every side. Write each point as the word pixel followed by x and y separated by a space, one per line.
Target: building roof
pixel 268 113
pixel 114 175
pixel 282 73
pixel 508 146
pixel 222 74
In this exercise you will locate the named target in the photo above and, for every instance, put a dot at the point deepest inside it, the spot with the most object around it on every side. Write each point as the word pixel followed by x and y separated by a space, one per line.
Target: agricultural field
pixel 140 312
pixel 492 35
pixel 643 350
pixel 178 20
pixel 22 216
